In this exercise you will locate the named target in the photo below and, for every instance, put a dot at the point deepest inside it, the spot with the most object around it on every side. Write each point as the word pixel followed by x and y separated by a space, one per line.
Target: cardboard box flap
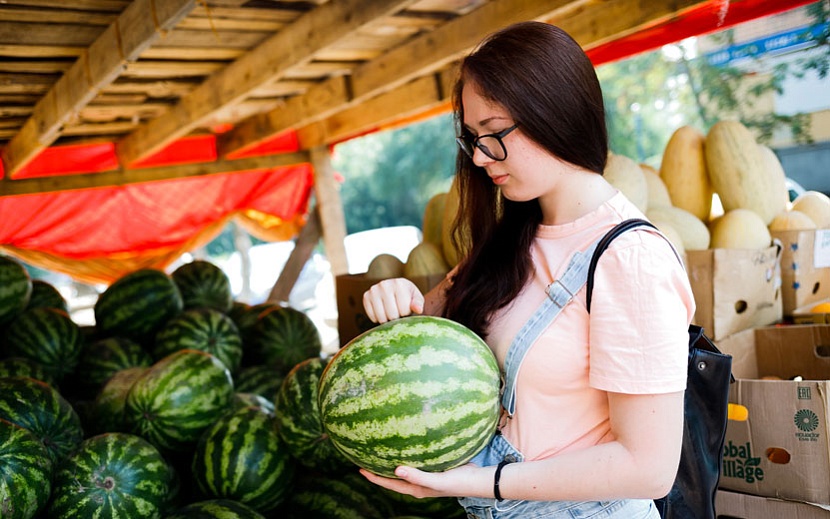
pixel 792 351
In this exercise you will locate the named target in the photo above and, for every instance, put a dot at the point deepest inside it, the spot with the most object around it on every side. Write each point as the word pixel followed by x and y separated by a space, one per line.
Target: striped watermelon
pixel 203 285
pixel 419 391
pixel 111 475
pixel 15 288
pixel 136 305
pixel 45 295
pixel 48 337
pixel 177 398
pixel 246 319
pixel 262 380
pixel 241 457
pixel 215 509
pixel 332 498
pixel 101 359
pixel 283 337
pixel 108 407
pixel 299 418
pixel 37 406
pixel 202 329
pixel 25 472
pixel 23 367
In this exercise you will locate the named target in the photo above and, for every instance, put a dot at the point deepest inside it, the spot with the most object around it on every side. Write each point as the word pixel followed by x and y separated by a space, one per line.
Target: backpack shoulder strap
pixel 606 240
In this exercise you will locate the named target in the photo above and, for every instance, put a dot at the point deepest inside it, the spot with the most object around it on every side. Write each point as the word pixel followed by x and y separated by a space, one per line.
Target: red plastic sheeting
pixel 712 16
pixel 142 224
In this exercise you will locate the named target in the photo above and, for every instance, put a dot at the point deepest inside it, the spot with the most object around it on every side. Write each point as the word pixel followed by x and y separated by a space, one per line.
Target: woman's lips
pixel 500 179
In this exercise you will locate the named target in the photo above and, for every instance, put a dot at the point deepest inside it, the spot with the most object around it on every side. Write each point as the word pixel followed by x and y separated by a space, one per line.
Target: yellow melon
pixel 793 220
pixel 816 205
pixel 627 176
pixel 451 255
pixel 384 266
pixel 434 219
pixel 739 171
pixel 425 259
pixel 740 229
pixel 692 230
pixel 685 173
pixel 657 192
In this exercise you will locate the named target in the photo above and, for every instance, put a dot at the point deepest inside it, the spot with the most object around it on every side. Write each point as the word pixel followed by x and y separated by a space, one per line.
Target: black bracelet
pixel 496 479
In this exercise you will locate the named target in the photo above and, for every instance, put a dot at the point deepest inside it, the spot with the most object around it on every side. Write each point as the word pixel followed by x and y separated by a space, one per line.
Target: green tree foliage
pixel 389 176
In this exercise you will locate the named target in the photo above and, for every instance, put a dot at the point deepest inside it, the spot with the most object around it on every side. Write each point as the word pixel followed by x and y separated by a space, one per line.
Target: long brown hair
pixel 541 76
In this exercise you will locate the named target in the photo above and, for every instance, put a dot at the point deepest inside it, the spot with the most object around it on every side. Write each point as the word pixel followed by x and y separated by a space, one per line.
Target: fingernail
pixel 401 472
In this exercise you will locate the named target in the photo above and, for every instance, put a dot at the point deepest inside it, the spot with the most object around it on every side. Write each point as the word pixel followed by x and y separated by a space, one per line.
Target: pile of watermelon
pixel 179 403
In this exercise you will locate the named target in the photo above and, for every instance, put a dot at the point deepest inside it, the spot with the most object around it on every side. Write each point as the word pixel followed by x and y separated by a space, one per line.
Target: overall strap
pixel 559 293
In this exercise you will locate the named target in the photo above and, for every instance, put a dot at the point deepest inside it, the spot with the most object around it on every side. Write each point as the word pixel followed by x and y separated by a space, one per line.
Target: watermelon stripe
pixel 47 336
pixel 241 457
pixel 15 288
pixel 25 472
pixel 420 390
pixel 203 329
pixel 178 397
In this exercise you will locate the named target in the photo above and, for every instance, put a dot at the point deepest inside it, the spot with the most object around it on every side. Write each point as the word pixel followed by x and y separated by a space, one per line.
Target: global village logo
pixel 806 421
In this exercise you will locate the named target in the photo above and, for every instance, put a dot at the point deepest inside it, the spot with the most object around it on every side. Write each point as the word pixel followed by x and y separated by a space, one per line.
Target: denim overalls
pixel 560 293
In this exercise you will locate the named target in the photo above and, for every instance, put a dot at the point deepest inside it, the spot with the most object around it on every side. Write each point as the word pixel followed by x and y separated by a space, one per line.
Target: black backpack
pixel 692 495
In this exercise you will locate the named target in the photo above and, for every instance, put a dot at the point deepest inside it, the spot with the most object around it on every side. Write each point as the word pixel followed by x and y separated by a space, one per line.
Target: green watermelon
pixel 48 337
pixel 101 359
pixel 203 285
pixel 245 317
pixel 45 295
pixel 241 457
pixel 23 367
pixel 216 509
pixel 136 305
pixel 299 418
pixel 261 379
pixel 419 391
pixel 283 337
pixel 177 398
pixel 37 406
pixel 202 329
pixel 332 498
pixel 25 472
pixel 111 475
pixel 15 288
pixel 108 406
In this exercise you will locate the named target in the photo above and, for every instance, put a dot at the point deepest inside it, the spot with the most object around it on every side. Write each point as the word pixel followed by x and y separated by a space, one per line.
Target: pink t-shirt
pixel 635 340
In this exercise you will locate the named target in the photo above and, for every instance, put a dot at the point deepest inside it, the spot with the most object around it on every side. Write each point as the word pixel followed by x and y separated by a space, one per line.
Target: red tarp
pixel 100 234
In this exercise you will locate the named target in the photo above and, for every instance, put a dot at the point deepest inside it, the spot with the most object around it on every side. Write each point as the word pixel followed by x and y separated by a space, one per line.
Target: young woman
pixel 598 415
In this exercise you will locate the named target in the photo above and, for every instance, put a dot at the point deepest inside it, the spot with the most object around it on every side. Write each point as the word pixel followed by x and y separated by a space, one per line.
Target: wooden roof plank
pixel 292 46
pixel 130 34
pixel 432 51
pixel 120 177
pixel 421 55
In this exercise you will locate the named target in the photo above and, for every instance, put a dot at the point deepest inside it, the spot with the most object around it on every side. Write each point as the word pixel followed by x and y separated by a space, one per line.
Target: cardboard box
pixel 782 448
pixel 735 289
pixel 349 289
pixel 733 505
pixel 805 273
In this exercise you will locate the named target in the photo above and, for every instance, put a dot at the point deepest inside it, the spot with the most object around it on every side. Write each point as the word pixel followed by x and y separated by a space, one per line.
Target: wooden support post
pixel 332 220
pixel 306 241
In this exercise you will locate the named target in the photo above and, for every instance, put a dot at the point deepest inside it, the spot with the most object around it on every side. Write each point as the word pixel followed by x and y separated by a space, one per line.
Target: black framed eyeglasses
pixel 491 144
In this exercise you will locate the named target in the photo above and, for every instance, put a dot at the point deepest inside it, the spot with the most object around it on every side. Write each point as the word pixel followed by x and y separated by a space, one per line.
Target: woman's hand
pixel 468 480
pixel 392 299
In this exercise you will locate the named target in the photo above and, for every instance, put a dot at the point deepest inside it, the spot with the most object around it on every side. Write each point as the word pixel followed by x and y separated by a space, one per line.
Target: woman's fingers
pixel 392 299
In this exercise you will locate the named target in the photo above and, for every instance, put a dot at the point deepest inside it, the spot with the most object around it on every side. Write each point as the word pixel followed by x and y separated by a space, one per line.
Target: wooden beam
pixel 434 50
pixel 332 219
pixel 29 186
pixel 292 46
pixel 418 96
pixel 422 55
pixel 303 248
pixel 122 41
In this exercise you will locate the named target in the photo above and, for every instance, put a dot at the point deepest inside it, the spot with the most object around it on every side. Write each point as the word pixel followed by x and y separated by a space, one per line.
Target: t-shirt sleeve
pixel 641 308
